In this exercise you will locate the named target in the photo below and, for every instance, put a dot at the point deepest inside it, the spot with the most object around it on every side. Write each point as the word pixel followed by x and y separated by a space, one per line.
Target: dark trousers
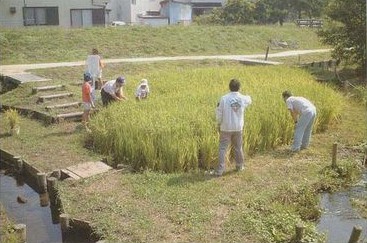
pixel 106 98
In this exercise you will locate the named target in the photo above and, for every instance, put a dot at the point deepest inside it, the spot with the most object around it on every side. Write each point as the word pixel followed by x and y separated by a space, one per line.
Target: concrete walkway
pixel 22 68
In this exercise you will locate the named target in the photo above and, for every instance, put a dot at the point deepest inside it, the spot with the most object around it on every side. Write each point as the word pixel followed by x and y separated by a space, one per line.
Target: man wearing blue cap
pixel 113 91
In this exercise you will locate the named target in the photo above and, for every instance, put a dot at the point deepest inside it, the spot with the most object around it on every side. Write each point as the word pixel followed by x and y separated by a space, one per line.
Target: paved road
pixel 22 68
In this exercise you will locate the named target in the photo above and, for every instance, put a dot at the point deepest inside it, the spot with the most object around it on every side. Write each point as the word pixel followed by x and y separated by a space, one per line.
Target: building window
pixel 41 16
pixel 87 17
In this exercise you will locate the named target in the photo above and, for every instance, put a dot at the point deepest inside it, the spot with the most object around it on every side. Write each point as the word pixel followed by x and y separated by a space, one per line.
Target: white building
pixel 85 13
pixel 72 13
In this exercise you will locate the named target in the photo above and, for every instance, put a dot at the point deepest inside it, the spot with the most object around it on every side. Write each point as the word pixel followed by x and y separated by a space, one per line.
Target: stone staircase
pixel 56 102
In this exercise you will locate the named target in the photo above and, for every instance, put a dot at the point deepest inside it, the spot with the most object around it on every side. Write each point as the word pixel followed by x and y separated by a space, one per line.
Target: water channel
pixel 40 218
pixel 336 222
pixel 339 217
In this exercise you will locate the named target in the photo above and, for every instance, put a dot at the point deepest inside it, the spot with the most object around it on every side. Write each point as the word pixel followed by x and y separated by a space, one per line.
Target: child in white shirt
pixel 142 90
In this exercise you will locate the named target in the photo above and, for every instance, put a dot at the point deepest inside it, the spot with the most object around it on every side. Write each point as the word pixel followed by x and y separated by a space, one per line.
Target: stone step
pixel 72 104
pixel 86 170
pixel 72 115
pixel 54 96
pixel 45 88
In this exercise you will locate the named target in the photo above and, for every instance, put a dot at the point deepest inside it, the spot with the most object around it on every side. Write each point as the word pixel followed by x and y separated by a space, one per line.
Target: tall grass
pixel 175 129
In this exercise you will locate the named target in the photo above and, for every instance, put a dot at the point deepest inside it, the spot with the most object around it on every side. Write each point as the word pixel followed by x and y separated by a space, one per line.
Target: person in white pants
pixel 230 115
pixel 304 114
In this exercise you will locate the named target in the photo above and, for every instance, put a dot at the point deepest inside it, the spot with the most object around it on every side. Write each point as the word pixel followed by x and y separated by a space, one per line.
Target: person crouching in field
pixel 113 91
pixel 230 115
pixel 87 98
pixel 142 90
pixel 303 113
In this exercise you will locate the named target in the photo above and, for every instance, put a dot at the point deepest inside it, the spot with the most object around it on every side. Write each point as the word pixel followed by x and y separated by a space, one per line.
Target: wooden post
pixel 356 233
pixel 44 200
pixel 42 183
pixel 64 222
pixel 56 174
pixel 19 164
pixel 267 53
pixel 52 189
pixel 299 232
pixel 335 151
pixel 21 231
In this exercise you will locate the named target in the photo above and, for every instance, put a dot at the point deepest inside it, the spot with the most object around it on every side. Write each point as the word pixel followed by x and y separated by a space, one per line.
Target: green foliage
pixel 12 117
pixel 7 231
pixel 262 11
pixel 175 129
pixel 345 174
pixel 346 30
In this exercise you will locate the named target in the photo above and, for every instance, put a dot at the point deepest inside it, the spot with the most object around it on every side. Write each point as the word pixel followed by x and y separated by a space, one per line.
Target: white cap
pixel 144 82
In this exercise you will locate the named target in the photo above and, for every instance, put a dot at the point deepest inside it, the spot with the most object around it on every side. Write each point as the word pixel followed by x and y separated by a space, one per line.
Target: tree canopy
pixel 346 30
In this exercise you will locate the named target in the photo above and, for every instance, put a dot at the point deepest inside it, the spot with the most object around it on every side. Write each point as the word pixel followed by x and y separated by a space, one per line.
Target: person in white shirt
pixel 94 67
pixel 230 116
pixel 113 91
pixel 304 114
pixel 142 90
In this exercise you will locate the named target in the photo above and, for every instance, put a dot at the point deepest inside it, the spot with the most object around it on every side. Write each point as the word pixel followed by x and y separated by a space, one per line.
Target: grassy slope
pixel 37 45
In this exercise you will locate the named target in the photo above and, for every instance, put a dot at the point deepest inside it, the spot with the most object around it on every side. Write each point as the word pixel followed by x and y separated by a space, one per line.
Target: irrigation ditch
pixel 30 198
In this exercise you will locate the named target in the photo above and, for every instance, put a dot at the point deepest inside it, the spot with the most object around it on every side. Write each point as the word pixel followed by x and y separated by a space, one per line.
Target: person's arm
pixel 294 115
pixel 219 114
pixel 90 96
pixel 101 64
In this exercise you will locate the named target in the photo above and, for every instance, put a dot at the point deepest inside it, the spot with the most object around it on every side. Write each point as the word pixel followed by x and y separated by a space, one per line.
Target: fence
pixel 313 23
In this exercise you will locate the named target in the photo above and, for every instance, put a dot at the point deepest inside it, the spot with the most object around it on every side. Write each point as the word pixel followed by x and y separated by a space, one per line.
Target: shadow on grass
pixel 283 154
pixel 189 178
pixel 5 135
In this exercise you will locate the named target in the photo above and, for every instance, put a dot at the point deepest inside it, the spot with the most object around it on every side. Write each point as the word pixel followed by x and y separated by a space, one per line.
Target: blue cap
pixel 87 76
pixel 120 80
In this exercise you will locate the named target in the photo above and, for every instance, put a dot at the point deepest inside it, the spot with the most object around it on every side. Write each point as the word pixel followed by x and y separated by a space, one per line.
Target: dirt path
pixel 22 68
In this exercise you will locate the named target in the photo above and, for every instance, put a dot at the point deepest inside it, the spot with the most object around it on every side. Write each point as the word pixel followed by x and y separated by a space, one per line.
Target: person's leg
pixel 298 133
pixel 105 97
pixel 224 141
pixel 308 130
pixel 238 150
pixel 85 117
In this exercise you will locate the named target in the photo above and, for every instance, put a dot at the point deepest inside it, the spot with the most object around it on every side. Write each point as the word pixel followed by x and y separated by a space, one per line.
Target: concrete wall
pixel 141 6
pixel 179 13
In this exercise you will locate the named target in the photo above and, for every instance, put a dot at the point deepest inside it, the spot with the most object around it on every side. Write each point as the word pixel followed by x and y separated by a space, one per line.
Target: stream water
pixel 339 217
pixel 40 218
pixel 41 225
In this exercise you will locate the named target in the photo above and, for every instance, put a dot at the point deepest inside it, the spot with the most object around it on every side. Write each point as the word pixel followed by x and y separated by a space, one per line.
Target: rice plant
pixel 175 128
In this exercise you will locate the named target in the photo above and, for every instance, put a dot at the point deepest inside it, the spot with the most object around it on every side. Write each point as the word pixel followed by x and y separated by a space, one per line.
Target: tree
pixel 346 30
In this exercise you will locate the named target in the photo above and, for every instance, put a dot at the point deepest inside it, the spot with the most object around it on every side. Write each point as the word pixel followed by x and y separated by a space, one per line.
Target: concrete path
pixel 22 68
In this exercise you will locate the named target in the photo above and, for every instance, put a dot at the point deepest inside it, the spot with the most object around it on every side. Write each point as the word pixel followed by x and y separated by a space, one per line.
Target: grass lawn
pixel 7 231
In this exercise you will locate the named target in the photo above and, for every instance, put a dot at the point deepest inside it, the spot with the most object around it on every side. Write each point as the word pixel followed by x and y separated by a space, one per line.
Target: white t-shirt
pixel 110 87
pixel 230 113
pixel 93 66
pixel 140 92
pixel 299 104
